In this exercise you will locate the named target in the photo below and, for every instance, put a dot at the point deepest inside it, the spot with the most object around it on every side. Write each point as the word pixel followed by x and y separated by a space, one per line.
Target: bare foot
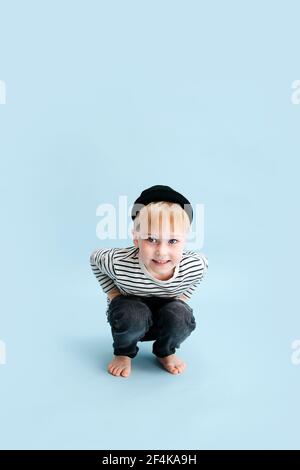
pixel 172 364
pixel 120 366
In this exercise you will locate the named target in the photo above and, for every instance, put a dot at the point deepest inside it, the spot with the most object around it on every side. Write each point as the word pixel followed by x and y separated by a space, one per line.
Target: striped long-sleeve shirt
pixel 122 268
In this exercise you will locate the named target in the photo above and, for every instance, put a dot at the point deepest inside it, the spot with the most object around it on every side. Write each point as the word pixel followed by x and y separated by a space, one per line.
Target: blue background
pixel 105 99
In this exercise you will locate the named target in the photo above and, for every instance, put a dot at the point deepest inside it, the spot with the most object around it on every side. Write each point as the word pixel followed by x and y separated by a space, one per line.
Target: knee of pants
pixel 178 315
pixel 129 313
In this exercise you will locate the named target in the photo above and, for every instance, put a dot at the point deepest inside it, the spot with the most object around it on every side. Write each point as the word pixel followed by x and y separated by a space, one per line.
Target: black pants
pixel 133 318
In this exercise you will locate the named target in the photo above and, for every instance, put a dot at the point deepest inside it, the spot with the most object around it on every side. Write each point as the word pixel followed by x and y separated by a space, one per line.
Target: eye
pixel 150 238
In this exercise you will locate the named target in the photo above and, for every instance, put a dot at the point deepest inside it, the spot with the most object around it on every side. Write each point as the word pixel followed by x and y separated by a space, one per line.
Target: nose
pixel 161 251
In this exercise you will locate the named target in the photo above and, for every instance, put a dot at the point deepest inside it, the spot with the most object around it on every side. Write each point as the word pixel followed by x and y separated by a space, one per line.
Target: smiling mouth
pixel 160 262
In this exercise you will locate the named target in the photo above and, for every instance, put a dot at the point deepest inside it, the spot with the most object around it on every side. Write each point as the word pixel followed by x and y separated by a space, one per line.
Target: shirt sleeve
pixel 201 266
pixel 102 264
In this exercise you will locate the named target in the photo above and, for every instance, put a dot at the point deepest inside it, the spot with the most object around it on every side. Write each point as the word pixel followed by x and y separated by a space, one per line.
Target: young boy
pixel 148 284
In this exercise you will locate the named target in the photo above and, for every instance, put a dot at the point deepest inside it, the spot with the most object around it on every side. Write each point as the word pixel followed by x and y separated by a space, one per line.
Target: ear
pixel 135 240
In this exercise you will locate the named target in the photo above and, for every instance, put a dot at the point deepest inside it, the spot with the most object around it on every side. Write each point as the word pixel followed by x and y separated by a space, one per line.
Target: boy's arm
pixel 101 262
pixel 202 268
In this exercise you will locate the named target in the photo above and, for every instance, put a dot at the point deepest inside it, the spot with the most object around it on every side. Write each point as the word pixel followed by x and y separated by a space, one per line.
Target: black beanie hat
pixel 161 193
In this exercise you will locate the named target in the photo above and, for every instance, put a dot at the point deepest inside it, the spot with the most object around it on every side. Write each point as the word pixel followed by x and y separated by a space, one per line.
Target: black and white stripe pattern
pixel 121 268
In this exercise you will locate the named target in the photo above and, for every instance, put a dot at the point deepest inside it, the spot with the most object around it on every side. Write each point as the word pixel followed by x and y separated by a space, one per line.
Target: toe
pixel 125 373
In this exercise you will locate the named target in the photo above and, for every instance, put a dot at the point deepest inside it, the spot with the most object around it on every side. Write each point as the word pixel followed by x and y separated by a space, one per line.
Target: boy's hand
pixel 183 297
pixel 113 293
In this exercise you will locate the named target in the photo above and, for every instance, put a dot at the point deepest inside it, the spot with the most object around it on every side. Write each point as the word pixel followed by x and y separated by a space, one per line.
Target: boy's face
pixel 166 246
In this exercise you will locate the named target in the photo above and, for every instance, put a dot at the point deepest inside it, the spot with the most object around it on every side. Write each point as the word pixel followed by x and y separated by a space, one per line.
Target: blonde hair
pixel 161 215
